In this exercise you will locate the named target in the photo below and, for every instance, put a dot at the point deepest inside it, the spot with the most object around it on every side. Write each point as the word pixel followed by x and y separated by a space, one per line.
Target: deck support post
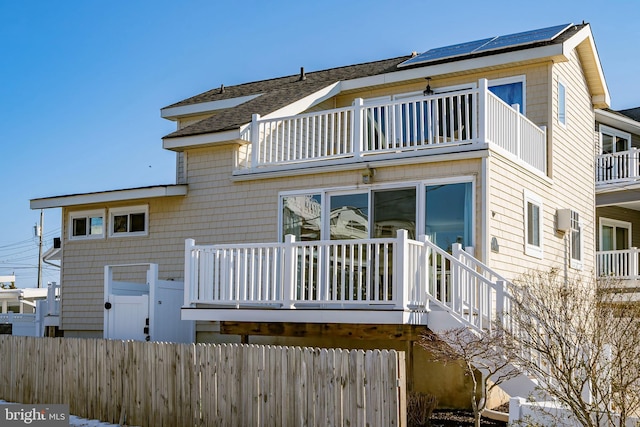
pixel 255 139
pixel 358 128
pixel 288 291
pixel 483 88
pixel 401 253
pixel 189 274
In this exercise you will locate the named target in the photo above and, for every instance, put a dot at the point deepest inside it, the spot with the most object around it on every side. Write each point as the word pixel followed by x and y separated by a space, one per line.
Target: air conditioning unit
pixel 563 220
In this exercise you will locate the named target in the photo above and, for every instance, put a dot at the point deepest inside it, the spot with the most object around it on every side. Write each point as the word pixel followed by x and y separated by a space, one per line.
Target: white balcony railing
pixel 620 264
pixel 372 274
pixel 473 116
pixel 618 167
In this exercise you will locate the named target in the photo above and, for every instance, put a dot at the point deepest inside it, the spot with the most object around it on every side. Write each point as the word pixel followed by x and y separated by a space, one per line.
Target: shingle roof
pixel 279 92
pixel 632 113
pixel 275 94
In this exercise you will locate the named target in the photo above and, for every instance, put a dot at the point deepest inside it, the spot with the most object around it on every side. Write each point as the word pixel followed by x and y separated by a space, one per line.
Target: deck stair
pixel 477 300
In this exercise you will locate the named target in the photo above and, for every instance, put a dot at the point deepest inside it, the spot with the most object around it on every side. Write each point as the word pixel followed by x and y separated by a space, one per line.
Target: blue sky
pixel 82 82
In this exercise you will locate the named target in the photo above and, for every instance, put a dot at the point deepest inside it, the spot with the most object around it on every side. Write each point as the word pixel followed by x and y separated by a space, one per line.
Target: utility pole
pixel 39 235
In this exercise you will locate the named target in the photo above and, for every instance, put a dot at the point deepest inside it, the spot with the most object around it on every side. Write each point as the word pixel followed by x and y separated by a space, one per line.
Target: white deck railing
pixel 473 116
pixel 389 274
pixel 618 167
pixel 620 264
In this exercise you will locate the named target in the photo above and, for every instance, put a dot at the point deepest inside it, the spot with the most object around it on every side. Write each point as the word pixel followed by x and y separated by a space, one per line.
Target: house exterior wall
pixel 219 209
pixel 567 187
pixel 635 138
pixel 572 161
pixel 619 213
pixel 216 210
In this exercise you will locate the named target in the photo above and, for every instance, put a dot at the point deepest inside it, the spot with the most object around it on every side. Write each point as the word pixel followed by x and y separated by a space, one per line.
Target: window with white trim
pixel 613 140
pixel 511 90
pixel 562 103
pixel 615 235
pixel 86 225
pixel 129 221
pixel 442 209
pixel 576 240
pixel 533 213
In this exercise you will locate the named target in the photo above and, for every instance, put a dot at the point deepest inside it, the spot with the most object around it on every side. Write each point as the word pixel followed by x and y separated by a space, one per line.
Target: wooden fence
pixel 160 384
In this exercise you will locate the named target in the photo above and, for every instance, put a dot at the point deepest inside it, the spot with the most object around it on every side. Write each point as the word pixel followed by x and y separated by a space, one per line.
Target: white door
pixel 127 317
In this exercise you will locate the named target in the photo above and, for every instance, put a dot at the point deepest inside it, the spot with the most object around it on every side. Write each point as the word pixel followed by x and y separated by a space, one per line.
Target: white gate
pixel 145 311
pixel 128 317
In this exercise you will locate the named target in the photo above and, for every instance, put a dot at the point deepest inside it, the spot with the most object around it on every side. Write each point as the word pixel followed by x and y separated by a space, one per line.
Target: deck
pixel 415 126
pixel 382 281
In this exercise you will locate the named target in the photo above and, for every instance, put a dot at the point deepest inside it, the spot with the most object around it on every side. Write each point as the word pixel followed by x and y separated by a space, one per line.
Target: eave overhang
pixel 109 196
pixel 175 113
pixel 618 121
pixel 584 44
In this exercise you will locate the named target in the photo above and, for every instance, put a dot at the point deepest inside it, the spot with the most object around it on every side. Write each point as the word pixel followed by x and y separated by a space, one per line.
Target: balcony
pixel 620 265
pixel 616 168
pixel 420 125
pixel 383 281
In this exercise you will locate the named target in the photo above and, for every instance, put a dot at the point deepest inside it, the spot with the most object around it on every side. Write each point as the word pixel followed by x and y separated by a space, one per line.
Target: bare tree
pixel 583 344
pixel 481 354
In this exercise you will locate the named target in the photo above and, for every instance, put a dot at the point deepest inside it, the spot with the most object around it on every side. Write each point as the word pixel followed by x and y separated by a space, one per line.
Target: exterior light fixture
pixel 367 176
pixel 428 91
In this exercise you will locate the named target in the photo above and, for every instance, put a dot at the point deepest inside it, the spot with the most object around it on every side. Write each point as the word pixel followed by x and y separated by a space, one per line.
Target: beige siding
pixel 216 210
pixel 181 168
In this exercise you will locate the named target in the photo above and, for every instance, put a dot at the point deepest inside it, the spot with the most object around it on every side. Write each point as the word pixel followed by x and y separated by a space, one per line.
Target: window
pixel 576 240
pixel 128 221
pixel 562 104
pixel 301 216
pixel 533 213
pixel 394 210
pixel 86 225
pixel 448 214
pixel 349 216
pixel 510 90
pixel 441 209
pixel 614 235
pixel 613 140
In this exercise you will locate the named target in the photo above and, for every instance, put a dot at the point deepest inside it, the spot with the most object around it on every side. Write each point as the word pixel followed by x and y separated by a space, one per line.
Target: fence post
pixel 544 152
pixel 518 152
pixel 401 267
pixel 483 88
pixel 289 278
pixel 189 275
pixel 255 140
pixel 633 264
pixel 456 275
pixel 358 128
pixel 633 163
pixel 500 303
pixel 51 298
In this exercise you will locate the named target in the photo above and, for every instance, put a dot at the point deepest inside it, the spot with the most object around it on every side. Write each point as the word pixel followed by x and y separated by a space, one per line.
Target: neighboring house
pixel 617 197
pixel 487 145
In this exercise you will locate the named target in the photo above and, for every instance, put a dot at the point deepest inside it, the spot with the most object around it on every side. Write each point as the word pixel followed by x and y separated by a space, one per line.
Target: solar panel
pixel 492 43
pixel 527 37
pixel 447 51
